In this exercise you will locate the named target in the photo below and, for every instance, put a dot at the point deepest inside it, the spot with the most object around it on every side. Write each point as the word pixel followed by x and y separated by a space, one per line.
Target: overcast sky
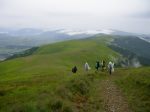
pixel 126 15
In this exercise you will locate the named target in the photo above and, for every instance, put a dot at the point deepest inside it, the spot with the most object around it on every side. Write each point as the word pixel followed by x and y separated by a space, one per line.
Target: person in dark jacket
pixel 97 66
pixel 74 69
pixel 103 65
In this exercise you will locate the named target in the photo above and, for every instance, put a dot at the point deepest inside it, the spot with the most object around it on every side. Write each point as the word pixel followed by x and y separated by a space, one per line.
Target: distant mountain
pixel 122 33
pixel 25 32
pixel 133 48
pixel 16 40
pixel 21 32
pixel 13 41
pixel 87 32
pixel 145 37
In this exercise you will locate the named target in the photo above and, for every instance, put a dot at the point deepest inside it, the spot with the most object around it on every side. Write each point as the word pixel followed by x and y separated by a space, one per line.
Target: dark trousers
pixel 110 71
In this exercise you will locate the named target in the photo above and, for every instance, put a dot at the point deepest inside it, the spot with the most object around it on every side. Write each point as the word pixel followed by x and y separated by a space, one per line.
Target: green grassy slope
pixel 133 47
pixel 25 81
pixel 135 84
pixel 58 58
pixel 43 81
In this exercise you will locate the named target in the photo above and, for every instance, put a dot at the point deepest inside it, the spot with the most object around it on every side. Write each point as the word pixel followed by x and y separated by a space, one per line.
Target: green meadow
pixel 43 81
pixel 135 84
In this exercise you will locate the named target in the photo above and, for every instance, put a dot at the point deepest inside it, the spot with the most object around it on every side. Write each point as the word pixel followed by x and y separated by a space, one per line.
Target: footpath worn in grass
pixel 135 84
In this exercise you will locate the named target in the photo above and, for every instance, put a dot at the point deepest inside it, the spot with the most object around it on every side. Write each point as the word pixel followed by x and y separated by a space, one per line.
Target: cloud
pixel 89 14
pixel 145 15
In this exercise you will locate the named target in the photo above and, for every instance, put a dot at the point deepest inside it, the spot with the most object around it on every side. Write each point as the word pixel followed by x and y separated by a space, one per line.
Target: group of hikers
pixel 99 66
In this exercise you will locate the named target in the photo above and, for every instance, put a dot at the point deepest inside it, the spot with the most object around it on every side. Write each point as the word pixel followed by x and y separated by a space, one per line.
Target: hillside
pixel 135 45
pixel 134 50
pixel 13 41
pixel 65 54
pixel 43 81
pixel 23 39
pixel 47 68
pixel 135 84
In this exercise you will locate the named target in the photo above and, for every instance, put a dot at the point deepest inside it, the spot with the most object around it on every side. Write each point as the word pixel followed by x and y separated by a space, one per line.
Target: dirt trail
pixel 113 98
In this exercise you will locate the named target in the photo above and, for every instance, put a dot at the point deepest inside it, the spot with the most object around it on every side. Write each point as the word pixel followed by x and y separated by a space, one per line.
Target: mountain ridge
pixel 24 39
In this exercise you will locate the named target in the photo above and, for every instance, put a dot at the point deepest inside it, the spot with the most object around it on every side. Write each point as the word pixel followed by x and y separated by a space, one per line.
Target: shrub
pixel 67 109
pixel 56 106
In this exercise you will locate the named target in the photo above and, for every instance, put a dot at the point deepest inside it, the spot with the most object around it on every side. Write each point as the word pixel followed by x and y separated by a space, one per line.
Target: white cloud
pixel 90 32
pixel 83 14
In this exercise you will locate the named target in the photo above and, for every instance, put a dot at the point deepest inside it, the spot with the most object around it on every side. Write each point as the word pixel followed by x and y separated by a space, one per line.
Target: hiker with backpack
pixel 74 69
pixel 110 67
pixel 87 67
pixel 97 66
pixel 113 66
pixel 103 65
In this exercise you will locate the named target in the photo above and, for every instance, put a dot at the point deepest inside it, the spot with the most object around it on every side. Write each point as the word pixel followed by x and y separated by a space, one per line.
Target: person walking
pixel 87 67
pixel 103 65
pixel 97 66
pixel 74 69
pixel 110 67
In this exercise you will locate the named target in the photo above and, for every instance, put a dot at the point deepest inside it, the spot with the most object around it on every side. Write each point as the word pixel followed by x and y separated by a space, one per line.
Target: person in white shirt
pixel 110 67
pixel 87 67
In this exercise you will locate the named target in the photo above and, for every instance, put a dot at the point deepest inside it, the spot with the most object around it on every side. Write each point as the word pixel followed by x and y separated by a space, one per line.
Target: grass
pixel 43 81
pixel 135 84
pixel 29 83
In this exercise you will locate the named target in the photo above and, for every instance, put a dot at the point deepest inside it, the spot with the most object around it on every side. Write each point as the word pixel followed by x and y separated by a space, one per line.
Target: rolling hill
pixel 65 54
pixel 13 41
pixel 24 79
pixel 43 81
pixel 133 48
